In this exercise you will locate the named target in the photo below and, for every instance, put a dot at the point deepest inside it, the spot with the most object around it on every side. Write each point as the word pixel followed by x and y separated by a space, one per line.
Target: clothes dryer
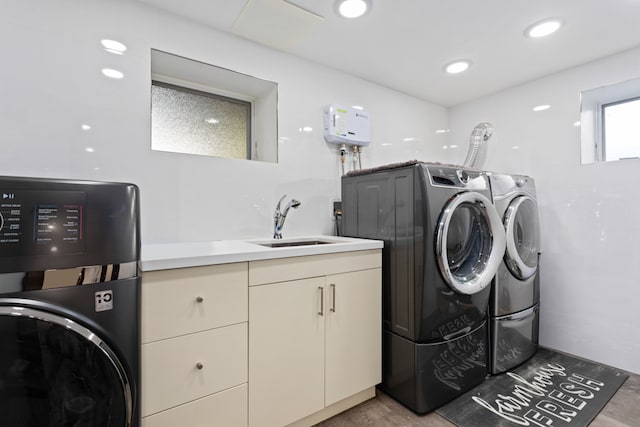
pixel 514 304
pixel 69 303
pixel 443 243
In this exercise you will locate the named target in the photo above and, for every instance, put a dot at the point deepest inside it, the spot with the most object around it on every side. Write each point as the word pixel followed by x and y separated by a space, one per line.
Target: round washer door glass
pixel 54 372
pixel 470 242
pixel 523 237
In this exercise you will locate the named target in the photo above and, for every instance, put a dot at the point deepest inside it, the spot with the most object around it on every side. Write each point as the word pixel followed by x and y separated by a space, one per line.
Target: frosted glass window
pixel 199 108
pixel 185 120
pixel 621 130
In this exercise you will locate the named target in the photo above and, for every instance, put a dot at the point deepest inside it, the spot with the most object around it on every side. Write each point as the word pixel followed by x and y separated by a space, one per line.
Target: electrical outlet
pixel 337 208
pixel 337 216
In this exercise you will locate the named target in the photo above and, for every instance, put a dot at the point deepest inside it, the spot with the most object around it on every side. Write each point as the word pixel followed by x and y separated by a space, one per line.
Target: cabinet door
pixel 354 333
pixel 286 356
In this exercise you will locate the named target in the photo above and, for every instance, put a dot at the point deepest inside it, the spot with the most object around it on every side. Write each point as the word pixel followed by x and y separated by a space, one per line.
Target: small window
pixel 610 122
pixel 621 130
pixel 190 121
pixel 198 108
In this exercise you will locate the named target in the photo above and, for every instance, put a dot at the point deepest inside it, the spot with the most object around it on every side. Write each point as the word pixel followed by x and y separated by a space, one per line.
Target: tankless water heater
pixel 344 125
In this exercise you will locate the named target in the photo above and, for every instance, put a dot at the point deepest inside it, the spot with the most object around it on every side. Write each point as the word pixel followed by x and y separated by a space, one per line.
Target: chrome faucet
pixel 280 215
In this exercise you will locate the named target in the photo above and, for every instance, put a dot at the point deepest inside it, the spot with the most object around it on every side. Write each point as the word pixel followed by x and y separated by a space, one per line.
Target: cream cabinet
pixel 314 335
pixel 353 347
pixel 194 346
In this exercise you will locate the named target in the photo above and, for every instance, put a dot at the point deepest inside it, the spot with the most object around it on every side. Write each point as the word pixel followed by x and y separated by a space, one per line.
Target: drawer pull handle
pixel 199 299
pixel 199 366
pixel 333 298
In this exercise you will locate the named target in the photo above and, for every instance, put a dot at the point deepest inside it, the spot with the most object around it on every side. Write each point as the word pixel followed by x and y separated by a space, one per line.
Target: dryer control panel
pixel 41 222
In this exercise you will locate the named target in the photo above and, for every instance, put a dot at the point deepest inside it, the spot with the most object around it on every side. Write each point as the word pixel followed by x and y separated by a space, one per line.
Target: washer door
pixel 523 237
pixel 55 372
pixel 470 242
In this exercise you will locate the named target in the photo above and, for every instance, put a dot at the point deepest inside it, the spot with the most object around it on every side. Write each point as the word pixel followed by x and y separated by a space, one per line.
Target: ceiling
pixel 404 44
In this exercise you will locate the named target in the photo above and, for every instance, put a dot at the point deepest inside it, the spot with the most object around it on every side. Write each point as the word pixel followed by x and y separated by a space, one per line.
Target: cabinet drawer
pixel 170 373
pixel 182 301
pixel 285 269
pixel 227 408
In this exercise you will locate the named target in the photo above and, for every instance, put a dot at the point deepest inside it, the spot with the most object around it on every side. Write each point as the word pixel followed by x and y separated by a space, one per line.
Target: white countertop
pixel 163 256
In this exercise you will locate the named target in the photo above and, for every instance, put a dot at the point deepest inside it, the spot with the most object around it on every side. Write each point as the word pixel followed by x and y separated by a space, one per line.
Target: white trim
pixel 591 103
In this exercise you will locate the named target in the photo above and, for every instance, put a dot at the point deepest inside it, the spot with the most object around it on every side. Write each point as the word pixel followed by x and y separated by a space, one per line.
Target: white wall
pixel 590 214
pixel 52 84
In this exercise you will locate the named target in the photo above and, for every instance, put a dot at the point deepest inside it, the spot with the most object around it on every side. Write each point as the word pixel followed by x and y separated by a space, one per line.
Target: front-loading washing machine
pixel 443 243
pixel 515 298
pixel 69 303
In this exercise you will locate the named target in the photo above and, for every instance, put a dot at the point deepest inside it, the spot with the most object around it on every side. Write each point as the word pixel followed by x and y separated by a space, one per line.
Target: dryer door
pixel 470 242
pixel 523 237
pixel 55 372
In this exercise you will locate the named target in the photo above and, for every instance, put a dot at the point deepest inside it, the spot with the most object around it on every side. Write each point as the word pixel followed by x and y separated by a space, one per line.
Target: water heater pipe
pixel 478 145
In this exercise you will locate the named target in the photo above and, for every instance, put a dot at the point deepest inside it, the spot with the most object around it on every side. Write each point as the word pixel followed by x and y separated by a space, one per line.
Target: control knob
pixel 463 176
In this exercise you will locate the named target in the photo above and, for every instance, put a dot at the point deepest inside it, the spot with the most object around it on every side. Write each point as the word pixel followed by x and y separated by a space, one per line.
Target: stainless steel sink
pixel 294 243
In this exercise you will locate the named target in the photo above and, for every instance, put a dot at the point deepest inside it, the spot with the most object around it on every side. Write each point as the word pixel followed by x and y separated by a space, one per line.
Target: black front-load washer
pixel 69 303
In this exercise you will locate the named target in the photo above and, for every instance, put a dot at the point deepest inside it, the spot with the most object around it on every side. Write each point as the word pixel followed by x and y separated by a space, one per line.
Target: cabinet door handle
pixel 333 297
pixel 199 366
pixel 321 312
pixel 199 299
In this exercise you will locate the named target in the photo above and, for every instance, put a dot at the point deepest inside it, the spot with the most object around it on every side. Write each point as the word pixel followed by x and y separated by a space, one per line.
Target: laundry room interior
pixel 62 117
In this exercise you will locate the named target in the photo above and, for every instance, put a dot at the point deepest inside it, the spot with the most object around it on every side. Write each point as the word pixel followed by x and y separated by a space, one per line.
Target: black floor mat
pixel 550 389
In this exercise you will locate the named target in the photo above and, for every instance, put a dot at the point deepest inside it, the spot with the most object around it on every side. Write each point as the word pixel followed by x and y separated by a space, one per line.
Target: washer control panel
pixel 39 222
pixel 451 176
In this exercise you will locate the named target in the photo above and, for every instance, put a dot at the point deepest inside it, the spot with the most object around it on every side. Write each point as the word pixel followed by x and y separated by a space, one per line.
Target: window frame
pixel 200 75
pixel 603 126
pixel 249 105
pixel 592 124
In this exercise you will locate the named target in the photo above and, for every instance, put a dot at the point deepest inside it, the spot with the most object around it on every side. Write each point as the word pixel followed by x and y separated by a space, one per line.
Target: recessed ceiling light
pixel 89 149
pixel 212 121
pixel 111 73
pixel 576 123
pixel 113 46
pixel 457 66
pixel 541 107
pixel 543 28
pixel 86 127
pixel 352 8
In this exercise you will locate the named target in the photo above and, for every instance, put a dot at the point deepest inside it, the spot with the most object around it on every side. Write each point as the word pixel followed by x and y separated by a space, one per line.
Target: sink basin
pixel 294 243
